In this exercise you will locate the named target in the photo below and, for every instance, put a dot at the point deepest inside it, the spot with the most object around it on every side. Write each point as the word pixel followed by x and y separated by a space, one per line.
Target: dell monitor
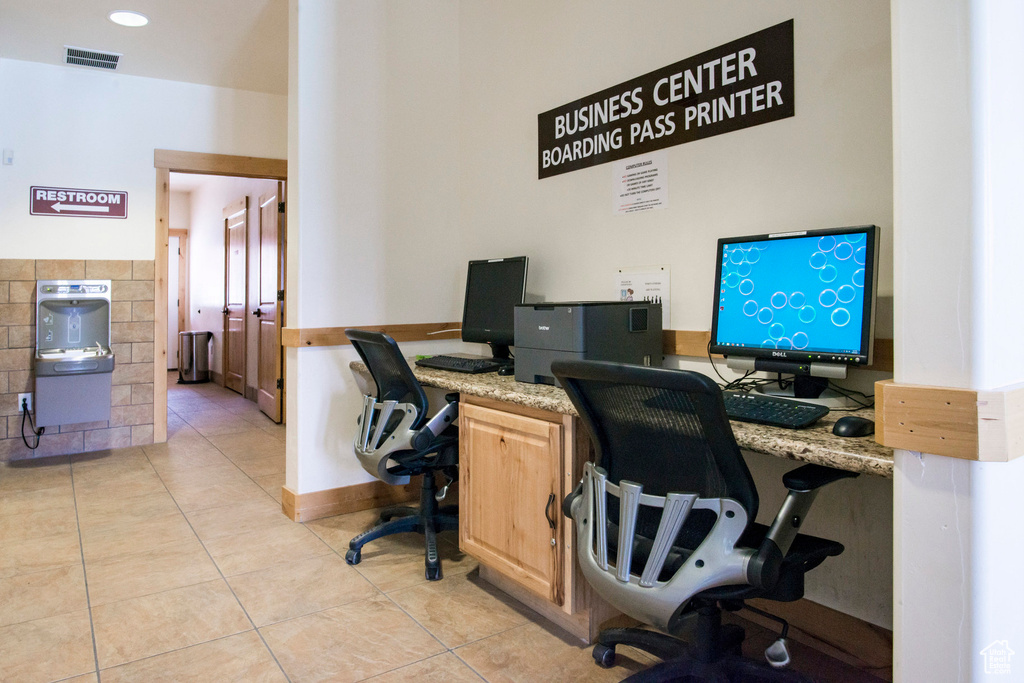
pixel 797 302
pixel 493 288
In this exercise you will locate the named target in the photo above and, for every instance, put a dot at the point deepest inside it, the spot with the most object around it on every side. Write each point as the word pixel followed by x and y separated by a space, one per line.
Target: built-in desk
pixel 815 445
pixel 521 451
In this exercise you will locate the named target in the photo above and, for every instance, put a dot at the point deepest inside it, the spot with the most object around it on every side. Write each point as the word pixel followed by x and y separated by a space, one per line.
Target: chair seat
pixel 443 452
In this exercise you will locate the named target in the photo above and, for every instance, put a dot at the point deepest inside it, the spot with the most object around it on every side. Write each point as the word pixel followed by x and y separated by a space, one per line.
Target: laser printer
pixel 618 331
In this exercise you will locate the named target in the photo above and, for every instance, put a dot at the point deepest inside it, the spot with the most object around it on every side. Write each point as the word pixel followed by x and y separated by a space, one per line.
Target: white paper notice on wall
pixel 645 283
pixel 640 183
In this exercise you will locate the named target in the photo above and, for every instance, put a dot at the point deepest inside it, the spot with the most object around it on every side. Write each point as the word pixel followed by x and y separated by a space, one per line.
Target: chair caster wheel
pixel 353 556
pixel 604 656
pixel 433 573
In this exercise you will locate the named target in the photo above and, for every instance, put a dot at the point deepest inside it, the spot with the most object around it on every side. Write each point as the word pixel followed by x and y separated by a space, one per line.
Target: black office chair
pixel 396 441
pixel 665 522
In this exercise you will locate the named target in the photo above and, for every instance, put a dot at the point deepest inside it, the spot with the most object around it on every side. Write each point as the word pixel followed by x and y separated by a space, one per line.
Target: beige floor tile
pixel 396 562
pixel 115 457
pixel 183 455
pixel 122 486
pixel 272 484
pixel 211 423
pixel 255 550
pixel 138 574
pixel 262 466
pixel 260 513
pixel 242 658
pixel 31 525
pixel 142 627
pixel 33 475
pixel 28 597
pixel 96 513
pixel 136 537
pixel 39 554
pixel 534 653
pixel 223 472
pixel 47 649
pixel 460 609
pixel 247 442
pixel 85 678
pixel 293 589
pixel 443 668
pixel 392 562
pixel 39 500
pixel 349 643
pixel 217 495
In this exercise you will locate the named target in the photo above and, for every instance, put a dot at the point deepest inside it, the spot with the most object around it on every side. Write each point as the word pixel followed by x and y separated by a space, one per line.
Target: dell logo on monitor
pixel 778 354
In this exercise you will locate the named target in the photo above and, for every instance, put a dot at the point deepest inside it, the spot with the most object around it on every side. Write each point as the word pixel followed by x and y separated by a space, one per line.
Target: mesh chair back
pixel 391 373
pixel 664 429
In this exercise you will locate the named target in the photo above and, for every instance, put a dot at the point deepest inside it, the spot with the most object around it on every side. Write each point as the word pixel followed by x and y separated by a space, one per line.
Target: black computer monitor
pixel 797 302
pixel 493 288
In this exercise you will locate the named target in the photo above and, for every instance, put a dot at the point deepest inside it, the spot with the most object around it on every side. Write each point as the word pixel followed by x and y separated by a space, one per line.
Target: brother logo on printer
pixel 545 328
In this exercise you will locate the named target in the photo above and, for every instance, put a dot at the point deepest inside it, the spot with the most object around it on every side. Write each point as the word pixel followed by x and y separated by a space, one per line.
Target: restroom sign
pixel 68 201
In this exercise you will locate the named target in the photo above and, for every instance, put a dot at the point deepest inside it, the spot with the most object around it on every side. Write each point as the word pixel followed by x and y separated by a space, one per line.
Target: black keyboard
pixel 768 410
pixel 459 364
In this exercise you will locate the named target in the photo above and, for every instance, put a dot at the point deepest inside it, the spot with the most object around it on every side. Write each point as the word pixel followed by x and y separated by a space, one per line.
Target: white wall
pixel 957 148
pixel 77 127
pixel 206 254
pixel 412 149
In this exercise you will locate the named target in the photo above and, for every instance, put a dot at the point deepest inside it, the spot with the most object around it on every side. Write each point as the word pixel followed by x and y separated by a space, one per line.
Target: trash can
pixel 194 357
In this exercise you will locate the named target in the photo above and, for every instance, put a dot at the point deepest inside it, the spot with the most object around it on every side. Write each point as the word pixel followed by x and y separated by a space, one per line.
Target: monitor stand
pixel 810 390
pixel 500 353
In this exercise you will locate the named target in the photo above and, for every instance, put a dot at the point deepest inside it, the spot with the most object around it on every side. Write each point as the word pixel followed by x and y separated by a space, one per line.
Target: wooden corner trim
pixel 969 424
pixel 305 507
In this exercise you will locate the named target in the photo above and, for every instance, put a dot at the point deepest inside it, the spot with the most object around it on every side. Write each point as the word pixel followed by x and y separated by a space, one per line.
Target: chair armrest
pixel 427 434
pixel 810 477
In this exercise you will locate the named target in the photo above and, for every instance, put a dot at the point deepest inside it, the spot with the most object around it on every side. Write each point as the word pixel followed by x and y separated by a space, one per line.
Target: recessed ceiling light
pixel 128 18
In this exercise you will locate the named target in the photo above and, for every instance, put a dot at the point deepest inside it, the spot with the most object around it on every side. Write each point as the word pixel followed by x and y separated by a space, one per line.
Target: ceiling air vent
pixel 93 58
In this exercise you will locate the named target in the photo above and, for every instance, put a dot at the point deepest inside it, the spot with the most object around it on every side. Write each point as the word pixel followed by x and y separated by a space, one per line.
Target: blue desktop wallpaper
pixel 804 293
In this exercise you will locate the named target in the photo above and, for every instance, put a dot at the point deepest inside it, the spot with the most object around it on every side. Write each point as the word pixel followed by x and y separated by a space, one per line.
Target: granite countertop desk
pixel 816 444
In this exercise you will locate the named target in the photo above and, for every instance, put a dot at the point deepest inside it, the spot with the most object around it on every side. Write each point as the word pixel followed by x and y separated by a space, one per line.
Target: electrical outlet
pixel 27 398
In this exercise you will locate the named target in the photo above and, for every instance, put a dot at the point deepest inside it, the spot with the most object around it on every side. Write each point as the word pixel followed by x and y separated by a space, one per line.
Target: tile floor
pixel 173 562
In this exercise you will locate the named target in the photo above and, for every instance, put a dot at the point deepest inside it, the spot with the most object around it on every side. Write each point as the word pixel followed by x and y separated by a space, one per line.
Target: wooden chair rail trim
pixel 987 426
pixel 692 343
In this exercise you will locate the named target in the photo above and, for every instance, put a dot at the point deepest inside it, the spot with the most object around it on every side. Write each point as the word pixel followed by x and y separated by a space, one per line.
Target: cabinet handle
pixel 547 511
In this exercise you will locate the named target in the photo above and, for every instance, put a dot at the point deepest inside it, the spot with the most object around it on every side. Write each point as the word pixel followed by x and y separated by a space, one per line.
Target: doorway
pixel 196 310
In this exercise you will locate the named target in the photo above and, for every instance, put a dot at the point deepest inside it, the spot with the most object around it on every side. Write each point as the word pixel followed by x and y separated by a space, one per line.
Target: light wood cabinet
pixel 512 467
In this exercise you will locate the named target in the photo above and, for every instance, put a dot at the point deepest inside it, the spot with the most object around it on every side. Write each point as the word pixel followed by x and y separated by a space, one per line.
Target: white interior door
pixel 172 303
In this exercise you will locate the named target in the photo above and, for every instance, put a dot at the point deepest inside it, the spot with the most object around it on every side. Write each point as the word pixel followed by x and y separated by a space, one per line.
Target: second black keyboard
pixel 459 364
pixel 768 410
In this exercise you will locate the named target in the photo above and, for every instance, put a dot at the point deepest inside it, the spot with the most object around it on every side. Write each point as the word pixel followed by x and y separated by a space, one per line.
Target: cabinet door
pixel 509 497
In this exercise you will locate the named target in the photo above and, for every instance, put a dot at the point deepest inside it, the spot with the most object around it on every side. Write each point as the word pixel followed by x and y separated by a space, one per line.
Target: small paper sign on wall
pixel 646 283
pixel 640 183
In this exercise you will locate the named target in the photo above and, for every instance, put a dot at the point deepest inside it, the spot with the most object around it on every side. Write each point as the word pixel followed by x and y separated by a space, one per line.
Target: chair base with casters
pixel 713 652
pixel 429 519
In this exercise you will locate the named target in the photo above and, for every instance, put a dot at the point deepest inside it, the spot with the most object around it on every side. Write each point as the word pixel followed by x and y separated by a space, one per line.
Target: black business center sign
pixel 743 83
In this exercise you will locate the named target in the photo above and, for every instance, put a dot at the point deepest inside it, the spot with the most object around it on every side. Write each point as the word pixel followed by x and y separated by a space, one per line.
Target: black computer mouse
pixel 506 370
pixel 852 425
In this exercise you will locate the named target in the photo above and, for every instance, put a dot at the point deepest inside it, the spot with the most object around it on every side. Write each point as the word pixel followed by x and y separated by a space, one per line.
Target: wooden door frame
pixel 183 293
pixel 166 162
